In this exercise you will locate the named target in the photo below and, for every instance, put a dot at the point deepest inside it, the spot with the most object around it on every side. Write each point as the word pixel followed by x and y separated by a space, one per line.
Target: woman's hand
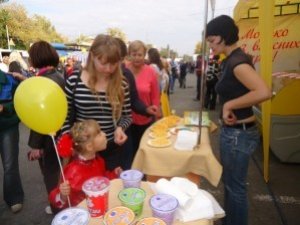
pixel 228 116
pixel 120 136
pixel 65 190
pixel 34 154
pixel 1 108
pixel 118 171
pixel 154 111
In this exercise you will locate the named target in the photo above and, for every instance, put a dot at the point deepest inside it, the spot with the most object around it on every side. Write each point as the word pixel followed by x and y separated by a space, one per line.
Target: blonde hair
pixel 106 47
pixel 82 133
pixel 16 56
pixel 136 45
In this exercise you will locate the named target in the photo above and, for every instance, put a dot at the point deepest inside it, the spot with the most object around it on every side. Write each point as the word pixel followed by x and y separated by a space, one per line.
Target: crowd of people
pixel 114 98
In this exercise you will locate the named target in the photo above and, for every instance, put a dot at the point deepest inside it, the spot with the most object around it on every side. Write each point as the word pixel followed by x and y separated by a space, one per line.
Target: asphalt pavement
pixel 274 203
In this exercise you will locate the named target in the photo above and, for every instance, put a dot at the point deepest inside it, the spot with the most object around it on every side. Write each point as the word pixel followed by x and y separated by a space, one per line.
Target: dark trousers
pixel 182 81
pixel 198 87
pixel 9 150
pixel 127 151
pixel 49 166
pixel 112 155
pixel 210 95
pixel 137 133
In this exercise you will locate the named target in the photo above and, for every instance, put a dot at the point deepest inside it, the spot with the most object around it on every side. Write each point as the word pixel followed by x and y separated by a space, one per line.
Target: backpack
pixel 7 86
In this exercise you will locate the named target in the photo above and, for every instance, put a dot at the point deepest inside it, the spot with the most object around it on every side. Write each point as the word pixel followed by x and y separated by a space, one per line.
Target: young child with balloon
pixel 87 139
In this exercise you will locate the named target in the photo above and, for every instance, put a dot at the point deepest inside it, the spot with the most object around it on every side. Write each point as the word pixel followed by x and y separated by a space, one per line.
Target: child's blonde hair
pixel 83 132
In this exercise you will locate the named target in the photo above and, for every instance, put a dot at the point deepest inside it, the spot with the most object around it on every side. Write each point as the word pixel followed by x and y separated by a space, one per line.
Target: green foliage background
pixel 24 29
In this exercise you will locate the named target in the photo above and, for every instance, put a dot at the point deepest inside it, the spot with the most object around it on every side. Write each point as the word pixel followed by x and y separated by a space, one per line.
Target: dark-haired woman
pixel 44 58
pixel 163 78
pixel 239 88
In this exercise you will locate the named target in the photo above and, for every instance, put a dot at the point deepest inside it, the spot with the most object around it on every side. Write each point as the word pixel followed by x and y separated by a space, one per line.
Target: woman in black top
pixel 239 88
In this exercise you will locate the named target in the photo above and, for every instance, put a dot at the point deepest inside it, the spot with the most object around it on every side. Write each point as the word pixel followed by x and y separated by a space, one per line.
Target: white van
pixel 6 52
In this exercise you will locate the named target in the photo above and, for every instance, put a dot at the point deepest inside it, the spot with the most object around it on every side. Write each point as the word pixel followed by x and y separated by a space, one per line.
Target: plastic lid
pixel 131 175
pixel 151 221
pixel 132 196
pixel 73 215
pixel 119 216
pixel 163 202
pixel 96 184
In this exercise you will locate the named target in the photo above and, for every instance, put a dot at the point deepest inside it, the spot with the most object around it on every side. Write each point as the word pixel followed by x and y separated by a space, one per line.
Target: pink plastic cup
pixel 96 190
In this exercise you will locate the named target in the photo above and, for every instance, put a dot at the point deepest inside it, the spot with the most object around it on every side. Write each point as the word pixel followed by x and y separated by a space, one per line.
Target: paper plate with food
pixel 159 142
pixel 160 134
pixel 175 130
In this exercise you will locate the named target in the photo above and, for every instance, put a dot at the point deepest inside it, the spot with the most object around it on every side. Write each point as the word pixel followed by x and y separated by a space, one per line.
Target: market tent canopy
pixel 285 36
pixel 246 9
pixel 258 18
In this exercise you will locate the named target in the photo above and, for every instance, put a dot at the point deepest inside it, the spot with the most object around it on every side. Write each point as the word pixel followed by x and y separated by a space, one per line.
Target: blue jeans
pixel 9 149
pixel 173 78
pixel 236 146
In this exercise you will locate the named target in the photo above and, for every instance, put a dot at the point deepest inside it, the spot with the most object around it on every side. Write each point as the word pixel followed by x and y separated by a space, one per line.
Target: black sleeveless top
pixel 229 87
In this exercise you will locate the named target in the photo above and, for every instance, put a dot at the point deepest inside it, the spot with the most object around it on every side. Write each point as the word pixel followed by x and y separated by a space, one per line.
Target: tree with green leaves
pixel 116 32
pixel 24 30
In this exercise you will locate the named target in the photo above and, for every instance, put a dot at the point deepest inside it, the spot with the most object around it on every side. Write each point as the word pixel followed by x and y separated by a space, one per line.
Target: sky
pixel 177 23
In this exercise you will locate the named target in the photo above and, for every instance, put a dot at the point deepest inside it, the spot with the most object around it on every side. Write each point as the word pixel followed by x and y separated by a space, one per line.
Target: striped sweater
pixel 90 106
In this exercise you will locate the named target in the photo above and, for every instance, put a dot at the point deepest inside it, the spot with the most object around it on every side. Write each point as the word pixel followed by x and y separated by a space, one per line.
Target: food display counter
pixel 285 117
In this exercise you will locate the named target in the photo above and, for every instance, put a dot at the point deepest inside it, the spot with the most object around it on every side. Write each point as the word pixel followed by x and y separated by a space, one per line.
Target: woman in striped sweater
pixel 100 92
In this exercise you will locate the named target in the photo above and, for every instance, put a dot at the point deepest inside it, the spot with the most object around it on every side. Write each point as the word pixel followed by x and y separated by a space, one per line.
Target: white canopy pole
pixel 203 67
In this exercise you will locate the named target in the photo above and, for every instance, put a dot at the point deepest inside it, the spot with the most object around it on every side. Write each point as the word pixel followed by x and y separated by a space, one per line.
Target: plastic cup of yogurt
pixel 119 215
pixel 133 198
pixel 131 178
pixel 73 215
pixel 96 190
pixel 164 207
pixel 150 221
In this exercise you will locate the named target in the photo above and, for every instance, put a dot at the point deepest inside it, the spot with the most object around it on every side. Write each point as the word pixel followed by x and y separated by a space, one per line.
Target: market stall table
pixel 168 162
pixel 116 186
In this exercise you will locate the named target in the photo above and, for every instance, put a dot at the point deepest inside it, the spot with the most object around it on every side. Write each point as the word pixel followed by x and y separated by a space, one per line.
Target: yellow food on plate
pixel 159 134
pixel 171 121
pixel 159 127
pixel 159 142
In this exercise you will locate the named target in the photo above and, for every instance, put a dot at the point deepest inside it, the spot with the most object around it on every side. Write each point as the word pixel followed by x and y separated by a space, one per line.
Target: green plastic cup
pixel 133 198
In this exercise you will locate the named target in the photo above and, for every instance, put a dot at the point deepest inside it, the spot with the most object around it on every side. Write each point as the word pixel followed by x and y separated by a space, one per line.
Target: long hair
pixel 107 48
pixel 154 57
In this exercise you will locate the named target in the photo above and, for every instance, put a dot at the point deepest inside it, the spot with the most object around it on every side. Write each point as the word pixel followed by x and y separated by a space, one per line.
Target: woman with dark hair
pixel 163 78
pixel 44 58
pixel 239 88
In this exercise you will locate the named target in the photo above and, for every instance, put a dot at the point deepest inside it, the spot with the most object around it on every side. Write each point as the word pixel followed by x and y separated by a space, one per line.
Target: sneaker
pixel 48 210
pixel 16 208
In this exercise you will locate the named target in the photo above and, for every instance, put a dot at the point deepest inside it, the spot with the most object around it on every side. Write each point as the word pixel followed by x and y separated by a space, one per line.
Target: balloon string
pixel 60 166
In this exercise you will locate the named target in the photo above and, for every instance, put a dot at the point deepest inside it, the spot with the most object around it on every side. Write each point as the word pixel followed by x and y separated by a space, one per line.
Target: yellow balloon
pixel 41 105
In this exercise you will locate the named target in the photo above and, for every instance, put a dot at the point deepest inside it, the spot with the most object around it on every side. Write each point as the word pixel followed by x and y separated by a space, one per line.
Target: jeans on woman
pixel 236 146
pixel 9 150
